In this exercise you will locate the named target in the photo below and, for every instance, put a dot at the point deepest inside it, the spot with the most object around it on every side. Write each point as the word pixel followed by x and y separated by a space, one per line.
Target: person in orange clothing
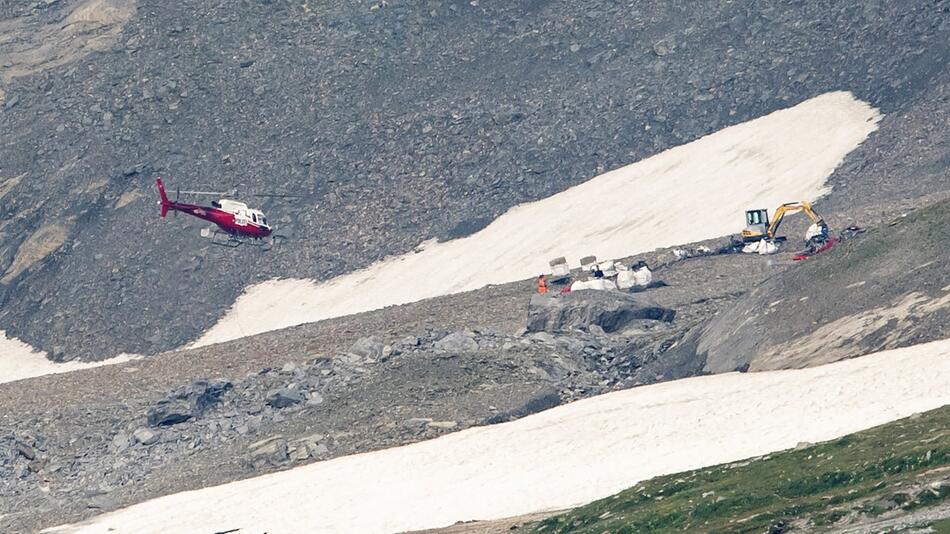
pixel 542 285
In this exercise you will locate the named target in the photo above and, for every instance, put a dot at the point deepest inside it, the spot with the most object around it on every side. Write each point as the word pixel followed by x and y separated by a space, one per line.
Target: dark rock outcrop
pixel 284 397
pixel 167 412
pixel 609 310
pixel 540 403
pixel 187 402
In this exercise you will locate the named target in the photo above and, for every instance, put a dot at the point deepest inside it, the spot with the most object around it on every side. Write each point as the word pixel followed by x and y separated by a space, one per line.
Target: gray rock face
pixel 120 442
pixel 314 399
pixel 368 347
pixel 457 342
pixel 25 450
pixel 318 450
pixel 538 404
pixel 284 397
pixel 309 446
pixel 169 412
pixel 146 436
pixel 272 450
pixel 609 310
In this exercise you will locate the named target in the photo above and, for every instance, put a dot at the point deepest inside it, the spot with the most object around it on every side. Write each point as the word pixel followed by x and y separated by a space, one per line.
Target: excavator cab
pixel 756 225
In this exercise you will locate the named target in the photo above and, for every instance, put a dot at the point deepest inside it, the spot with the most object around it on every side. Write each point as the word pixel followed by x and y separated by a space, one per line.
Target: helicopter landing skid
pixel 224 239
pixel 221 239
pixel 276 240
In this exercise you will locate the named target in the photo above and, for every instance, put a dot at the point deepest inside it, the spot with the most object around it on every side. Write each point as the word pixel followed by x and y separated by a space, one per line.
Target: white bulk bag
pixel 602 284
pixel 642 276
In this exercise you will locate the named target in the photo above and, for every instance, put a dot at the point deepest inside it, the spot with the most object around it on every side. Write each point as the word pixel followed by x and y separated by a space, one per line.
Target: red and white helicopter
pixel 236 222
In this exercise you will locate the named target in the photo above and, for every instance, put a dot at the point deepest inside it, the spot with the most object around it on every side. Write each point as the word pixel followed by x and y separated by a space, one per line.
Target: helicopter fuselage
pixel 231 216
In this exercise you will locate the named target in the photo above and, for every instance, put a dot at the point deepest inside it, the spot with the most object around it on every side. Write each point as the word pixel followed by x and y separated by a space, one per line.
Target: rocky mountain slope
pixel 578 452
pixel 121 434
pixel 395 122
pixel 886 289
pixel 352 384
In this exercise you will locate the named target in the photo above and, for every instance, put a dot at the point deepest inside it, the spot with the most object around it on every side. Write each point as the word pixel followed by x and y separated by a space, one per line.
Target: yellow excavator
pixel 758 226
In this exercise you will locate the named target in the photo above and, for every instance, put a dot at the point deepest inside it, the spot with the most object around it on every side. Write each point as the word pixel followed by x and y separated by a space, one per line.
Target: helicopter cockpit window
pixel 264 220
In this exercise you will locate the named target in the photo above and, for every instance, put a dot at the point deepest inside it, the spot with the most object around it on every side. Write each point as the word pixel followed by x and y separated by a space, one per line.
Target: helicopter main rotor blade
pixel 217 193
pixel 235 194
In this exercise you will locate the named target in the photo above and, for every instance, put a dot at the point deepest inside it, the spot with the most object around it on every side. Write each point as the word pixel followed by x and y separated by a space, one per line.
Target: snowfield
pixel 562 457
pixel 19 360
pixel 688 193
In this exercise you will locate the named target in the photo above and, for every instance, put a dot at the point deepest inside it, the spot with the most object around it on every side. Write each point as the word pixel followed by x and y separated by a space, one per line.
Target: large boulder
pixel 368 348
pixel 146 436
pixel 167 412
pixel 270 451
pixel 457 342
pixel 610 310
pixel 284 397
pixel 187 402
pixel 205 393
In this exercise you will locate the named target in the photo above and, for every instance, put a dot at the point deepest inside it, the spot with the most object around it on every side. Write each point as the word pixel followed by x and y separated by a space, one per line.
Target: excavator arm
pixel 793 207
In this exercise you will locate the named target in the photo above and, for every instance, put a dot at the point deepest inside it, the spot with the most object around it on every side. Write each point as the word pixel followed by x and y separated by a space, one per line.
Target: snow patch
pixel 19 360
pixel 562 457
pixel 686 194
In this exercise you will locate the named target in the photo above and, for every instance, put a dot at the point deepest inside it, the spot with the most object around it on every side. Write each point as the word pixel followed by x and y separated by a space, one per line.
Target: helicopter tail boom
pixel 164 202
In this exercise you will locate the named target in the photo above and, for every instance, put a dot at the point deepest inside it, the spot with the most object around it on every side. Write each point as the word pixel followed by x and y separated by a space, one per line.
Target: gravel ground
pixel 90 452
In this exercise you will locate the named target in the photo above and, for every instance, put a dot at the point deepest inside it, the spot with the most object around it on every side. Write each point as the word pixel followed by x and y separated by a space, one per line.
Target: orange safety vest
pixel 542 286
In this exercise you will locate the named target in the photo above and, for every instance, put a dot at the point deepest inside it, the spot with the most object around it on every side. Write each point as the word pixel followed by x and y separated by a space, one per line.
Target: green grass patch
pixel 941 527
pixel 927 228
pixel 860 475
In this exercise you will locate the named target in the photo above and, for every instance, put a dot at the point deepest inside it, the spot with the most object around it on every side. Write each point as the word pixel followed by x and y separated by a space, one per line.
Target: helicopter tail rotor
pixel 164 202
